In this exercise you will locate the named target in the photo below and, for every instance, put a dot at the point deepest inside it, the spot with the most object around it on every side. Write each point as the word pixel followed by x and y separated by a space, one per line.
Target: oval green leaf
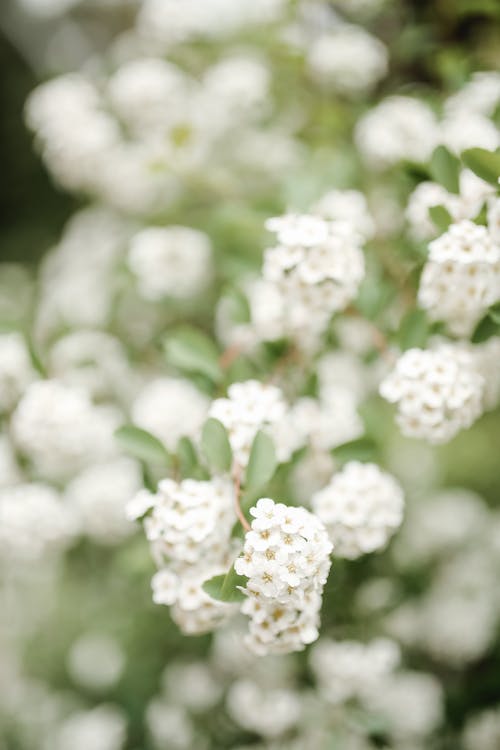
pixel 215 445
pixel 142 445
pixel 262 463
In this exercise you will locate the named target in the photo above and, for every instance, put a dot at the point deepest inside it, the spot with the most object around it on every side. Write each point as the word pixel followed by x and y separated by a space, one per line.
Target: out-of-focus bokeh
pixel 143 147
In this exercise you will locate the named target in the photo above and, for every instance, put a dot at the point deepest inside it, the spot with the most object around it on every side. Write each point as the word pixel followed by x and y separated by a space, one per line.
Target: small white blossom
pixel 361 508
pixel 95 661
pixel 252 406
pixel 347 669
pixel 192 609
pixel 349 206
pixel 98 495
pixel 170 408
pixel 398 128
pixel 170 261
pixel 248 705
pixel 100 728
pixel 33 522
pixel 438 393
pixel 482 730
pixel 286 557
pixel 348 59
pixel 465 242
pixel 60 431
pixel 191 521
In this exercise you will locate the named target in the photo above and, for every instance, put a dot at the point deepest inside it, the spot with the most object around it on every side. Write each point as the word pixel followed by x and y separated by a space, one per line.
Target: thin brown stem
pixel 237 498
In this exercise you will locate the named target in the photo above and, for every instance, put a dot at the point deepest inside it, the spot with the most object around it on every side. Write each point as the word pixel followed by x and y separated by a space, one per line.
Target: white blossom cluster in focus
pixel 286 557
pixel 188 525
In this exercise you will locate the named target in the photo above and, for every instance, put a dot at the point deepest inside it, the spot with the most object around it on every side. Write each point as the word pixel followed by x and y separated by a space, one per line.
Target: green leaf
pixel 445 169
pixel 494 313
pixel 186 454
pixel 414 330
pixel 215 445
pixel 142 445
pixel 373 296
pixel 193 352
pixel 262 463
pixel 236 306
pixel 363 449
pixel 224 587
pixel 485 329
pixel 486 164
pixel 441 217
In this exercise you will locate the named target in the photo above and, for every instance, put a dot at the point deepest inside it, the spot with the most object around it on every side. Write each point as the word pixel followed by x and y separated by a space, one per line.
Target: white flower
pixel 298 230
pixel 92 360
pixel 318 267
pixel 482 730
pixel 33 522
pixel 252 406
pixel 349 206
pixel 438 393
pixel 465 205
pixel 170 23
pixel 191 521
pixel 465 242
pixel 480 95
pixel 147 93
pixel 170 262
pixel 95 661
pixel 248 705
pixel 170 408
pixel 465 129
pixel 16 369
pixel 192 609
pixel 361 508
pixel 348 59
pixel 410 702
pixel 98 496
pixel 398 128
pixel 241 83
pixel 100 728
pixel 347 669
pixel 60 431
pixel 286 558
pixel 458 294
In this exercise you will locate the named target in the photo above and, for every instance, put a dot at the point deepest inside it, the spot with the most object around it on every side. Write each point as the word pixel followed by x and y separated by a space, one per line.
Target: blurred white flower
pixel 170 262
pixel 170 408
pixel 348 59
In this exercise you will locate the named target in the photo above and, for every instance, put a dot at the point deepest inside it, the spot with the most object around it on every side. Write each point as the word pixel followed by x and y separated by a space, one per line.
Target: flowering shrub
pixel 258 373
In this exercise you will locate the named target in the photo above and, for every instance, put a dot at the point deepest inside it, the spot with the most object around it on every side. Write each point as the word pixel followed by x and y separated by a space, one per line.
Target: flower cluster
pixel 361 508
pixel 60 431
pixel 170 408
pixel 462 276
pixel 317 266
pixel 33 521
pixel 286 558
pixel 188 525
pixel 348 669
pixel 348 60
pixel 170 261
pixel 252 406
pixel 438 392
